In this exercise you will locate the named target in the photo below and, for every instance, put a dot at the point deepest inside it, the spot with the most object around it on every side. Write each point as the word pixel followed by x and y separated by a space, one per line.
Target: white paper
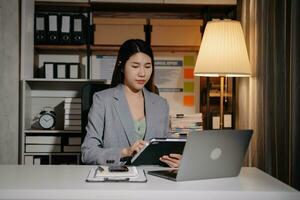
pixel 227 121
pixel 216 122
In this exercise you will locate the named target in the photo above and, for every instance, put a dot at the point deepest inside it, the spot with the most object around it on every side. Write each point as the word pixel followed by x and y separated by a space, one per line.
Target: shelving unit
pixel 38 92
pixel 210 100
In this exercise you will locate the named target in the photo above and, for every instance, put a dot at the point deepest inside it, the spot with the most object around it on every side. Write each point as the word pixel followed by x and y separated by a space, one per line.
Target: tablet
pixel 156 148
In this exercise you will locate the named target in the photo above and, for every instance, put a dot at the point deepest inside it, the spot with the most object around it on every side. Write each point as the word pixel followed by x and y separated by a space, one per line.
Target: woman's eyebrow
pixel 136 63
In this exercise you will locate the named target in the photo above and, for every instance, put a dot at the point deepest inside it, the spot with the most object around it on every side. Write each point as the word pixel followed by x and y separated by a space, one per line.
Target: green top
pixel 140 129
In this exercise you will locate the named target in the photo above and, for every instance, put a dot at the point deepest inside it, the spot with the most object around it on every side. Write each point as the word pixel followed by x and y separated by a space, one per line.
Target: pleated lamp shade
pixel 223 51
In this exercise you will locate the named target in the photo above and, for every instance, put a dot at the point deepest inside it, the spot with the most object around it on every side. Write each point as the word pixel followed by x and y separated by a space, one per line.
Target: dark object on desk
pixel 210 154
pixel 117 168
pixel 156 148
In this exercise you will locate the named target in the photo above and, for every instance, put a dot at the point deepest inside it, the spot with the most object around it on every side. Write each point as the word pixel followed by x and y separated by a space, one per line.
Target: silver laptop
pixel 210 154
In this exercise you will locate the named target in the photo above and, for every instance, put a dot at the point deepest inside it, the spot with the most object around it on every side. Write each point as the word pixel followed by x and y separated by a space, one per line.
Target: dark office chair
pixel 87 92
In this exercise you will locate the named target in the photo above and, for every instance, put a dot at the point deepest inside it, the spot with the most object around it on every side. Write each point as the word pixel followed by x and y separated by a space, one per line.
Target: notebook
pixel 210 154
pixel 157 147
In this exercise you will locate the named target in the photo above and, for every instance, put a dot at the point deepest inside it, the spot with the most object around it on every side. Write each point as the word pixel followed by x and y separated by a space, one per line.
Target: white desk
pixel 68 182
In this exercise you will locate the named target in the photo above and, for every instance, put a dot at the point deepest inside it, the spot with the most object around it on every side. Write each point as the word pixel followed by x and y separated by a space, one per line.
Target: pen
pixel 100 169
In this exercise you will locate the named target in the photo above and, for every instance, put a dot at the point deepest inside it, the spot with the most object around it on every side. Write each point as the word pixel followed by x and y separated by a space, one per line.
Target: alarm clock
pixel 47 119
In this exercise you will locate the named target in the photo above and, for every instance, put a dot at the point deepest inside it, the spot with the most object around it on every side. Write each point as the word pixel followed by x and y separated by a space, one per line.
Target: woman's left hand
pixel 173 160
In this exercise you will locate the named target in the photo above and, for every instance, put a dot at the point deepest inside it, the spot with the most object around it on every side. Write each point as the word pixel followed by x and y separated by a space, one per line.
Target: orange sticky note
pixel 188 100
pixel 188 73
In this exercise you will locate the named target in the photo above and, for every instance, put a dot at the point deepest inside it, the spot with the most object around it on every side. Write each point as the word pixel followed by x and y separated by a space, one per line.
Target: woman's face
pixel 137 72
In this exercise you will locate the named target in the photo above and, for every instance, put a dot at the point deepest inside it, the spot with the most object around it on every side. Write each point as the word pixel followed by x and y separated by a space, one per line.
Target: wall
pixel 9 84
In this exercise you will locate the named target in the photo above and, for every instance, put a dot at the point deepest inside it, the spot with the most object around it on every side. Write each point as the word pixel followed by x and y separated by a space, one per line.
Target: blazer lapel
pixel 149 112
pixel 123 111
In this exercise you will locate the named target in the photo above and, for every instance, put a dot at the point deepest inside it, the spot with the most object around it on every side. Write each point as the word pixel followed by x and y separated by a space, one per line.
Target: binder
pixel 78 29
pixel 53 31
pixel 40 31
pixel 60 70
pixel 73 70
pixel 65 29
pixel 49 70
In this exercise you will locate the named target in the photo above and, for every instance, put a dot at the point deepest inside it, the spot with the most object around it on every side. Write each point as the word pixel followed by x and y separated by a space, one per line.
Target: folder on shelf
pixel 72 106
pixel 73 70
pixel 72 112
pixel 72 122
pixel 60 70
pixel 43 140
pixel 74 140
pixel 28 160
pixel 53 31
pixel 72 128
pixel 65 29
pixel 41 148
pixel 49 70
pixel 73 116
pixel 72 148
pixel 78 29
pixel 40 32
pixel 73 100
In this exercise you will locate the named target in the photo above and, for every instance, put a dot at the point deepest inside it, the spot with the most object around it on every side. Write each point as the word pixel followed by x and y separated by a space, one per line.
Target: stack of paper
pixel 185 123
pixel 72 114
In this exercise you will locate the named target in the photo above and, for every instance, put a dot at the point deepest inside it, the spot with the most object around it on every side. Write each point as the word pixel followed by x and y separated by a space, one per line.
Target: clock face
pixel 46 121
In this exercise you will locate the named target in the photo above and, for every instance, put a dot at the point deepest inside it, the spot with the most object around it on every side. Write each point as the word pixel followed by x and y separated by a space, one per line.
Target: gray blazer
pixel 110 125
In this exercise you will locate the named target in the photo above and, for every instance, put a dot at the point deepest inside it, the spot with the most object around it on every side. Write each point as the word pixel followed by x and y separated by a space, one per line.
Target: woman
pixel 123 117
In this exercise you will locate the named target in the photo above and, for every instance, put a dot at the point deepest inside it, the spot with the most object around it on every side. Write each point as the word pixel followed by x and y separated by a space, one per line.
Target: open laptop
pixel 210 154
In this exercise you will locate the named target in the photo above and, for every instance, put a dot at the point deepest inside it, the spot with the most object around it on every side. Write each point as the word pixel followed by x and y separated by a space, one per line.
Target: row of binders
pixel 62 70
pixel 57 28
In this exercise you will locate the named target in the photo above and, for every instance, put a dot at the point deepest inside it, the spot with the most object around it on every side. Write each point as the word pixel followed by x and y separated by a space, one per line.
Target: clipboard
pixel 135 175
pixel 157 147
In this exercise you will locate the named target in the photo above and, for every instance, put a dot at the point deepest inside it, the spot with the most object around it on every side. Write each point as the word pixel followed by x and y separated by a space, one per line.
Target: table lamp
pixel 223 53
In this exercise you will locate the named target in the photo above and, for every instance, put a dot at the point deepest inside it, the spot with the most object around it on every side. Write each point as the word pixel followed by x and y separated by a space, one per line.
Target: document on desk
pixel 102 174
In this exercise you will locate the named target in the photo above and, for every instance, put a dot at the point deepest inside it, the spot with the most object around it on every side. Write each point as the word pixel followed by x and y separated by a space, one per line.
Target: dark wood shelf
pixel 115 48
pixel 105 49
pixel 62 6
pixel 175 48
pixel 57 48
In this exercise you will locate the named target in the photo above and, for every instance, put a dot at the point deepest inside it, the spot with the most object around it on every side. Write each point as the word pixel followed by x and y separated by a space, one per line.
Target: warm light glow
pixel 223 51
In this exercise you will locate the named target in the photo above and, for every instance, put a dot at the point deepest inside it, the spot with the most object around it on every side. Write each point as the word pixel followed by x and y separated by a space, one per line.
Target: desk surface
pixel 68 182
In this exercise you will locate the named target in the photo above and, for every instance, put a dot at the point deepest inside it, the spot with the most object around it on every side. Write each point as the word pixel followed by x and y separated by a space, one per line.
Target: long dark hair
pixel 128 49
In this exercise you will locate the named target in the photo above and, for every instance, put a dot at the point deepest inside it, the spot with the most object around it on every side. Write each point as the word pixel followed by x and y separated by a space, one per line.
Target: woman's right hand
pixel 136 147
